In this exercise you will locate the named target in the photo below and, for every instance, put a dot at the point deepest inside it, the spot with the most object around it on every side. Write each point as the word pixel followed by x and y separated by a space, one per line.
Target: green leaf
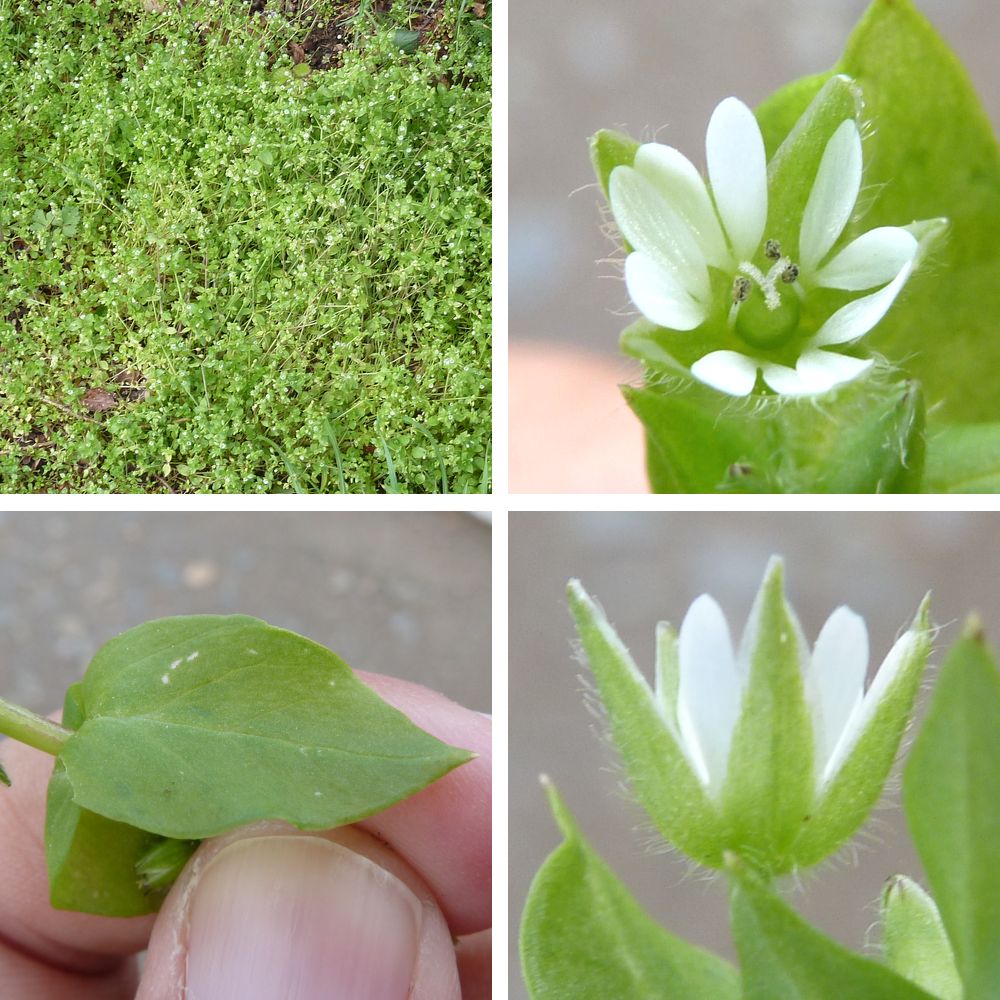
pixel 193 726
pixel 951 793
pixel 770 779
pixel 583 935
pixel 91 859
pixel 690 443
pixel 610 149
pixel 849 798
pixel 784 958
pixel 964 458
pixel 4 776
pixel 405 40
pixel 660 775
pixel 930 153
pixel 866 437
pixel 914 941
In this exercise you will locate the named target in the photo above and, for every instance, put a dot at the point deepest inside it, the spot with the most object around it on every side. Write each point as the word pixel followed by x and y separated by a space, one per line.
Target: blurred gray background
pixel 647 567
pixel 401 594
pixel 654 68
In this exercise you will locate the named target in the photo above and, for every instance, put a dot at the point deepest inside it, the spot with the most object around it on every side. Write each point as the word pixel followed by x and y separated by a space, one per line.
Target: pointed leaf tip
pixel 974 629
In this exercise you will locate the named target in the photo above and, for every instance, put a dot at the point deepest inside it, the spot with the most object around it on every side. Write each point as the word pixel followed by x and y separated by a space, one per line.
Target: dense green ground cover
pixel 277 278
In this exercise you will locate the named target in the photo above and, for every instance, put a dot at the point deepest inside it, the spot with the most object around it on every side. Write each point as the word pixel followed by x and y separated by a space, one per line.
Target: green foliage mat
pixel 225 271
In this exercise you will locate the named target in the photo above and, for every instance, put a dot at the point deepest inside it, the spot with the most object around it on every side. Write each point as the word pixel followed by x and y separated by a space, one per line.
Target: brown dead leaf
pixel 479 9
pixel 99 400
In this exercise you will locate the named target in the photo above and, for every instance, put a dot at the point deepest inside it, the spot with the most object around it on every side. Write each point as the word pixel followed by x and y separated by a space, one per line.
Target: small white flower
pixel 691 245
pixel 713 678
pixel 772 752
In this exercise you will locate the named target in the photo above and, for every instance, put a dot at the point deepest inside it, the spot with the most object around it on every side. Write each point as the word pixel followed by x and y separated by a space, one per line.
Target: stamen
pixel 741 289
pixel 790 273
pixel 772 249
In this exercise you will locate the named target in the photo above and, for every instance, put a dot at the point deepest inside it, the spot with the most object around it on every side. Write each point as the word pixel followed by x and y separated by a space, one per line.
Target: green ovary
pixel 762 327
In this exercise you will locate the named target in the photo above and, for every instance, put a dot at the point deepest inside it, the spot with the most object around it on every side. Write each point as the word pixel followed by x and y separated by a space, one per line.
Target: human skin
pixel 570 429
pixel 437 843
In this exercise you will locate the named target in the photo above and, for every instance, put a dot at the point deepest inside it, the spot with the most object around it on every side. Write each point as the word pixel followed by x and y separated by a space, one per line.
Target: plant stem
pixel 26 727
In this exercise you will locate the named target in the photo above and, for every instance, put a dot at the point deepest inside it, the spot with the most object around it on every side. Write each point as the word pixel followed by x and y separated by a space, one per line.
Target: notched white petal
pixel 872 259
pixel 678 180
pixel 856 318
pixel 836 679
pixel 709 692
pixel 832 197
pixel 727 371
pixel 652 226
pixel 737 169
pixel 659 295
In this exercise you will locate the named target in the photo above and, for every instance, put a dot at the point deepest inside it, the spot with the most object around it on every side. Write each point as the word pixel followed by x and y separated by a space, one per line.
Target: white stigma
pixel 767 283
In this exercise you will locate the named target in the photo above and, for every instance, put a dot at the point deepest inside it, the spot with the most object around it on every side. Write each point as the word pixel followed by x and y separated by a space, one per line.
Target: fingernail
pixel 300 918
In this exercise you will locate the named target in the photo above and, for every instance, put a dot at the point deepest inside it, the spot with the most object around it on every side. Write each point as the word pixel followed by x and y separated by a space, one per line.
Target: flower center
pixel 765 309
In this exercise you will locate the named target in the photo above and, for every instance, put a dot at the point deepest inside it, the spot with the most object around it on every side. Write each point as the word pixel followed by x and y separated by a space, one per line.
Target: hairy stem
pixel 27 727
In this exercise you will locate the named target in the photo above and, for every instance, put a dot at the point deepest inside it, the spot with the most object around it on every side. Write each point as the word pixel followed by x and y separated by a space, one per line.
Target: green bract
pixel 188 727
pixel 775 754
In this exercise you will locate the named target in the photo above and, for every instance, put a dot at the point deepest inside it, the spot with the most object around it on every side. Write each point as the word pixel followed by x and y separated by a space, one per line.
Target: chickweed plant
pixel 277 274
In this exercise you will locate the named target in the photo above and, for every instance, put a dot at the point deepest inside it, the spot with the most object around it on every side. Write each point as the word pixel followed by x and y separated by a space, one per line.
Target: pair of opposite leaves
pixel 188 727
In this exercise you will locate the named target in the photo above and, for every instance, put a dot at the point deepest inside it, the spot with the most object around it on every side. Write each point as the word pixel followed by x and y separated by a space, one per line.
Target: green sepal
pixel 951 794
pixel 660 775
pixel 914 941
pixel 964 458
pixel 849 798
pixel 769 781
pixel 4 776
pixel 610 149
pixel 931 153
pixel 158 867
pixel 583 935
pixel 793 167
pixel 784 958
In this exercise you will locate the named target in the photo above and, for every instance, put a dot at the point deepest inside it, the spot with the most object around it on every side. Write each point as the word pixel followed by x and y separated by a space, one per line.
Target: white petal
pixel 737 169
pixel 872 259
pixel 659 295
pixel 727 371
pixel 709 692
pixel 832 197
pixel 822 370
pixel 836 679
pixel 865 709
pixel 677 179
pixel 815 372
pixel 648 222
pixel 856 318
pixel 784 380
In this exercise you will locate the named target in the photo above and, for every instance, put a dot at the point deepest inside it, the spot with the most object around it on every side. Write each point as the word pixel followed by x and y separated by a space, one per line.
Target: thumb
pixel 270 912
